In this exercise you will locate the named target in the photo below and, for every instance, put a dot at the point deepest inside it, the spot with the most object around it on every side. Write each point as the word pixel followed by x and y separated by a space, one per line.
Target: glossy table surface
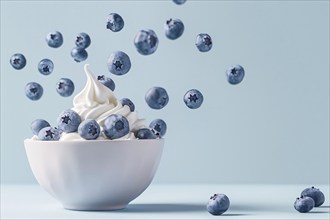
pixel 169 202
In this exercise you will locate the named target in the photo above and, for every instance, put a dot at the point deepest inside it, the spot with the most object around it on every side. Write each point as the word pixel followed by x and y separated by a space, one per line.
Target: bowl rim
pixel 28 140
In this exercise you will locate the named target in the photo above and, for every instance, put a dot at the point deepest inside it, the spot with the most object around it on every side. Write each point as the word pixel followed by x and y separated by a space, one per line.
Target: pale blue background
pixel 272 128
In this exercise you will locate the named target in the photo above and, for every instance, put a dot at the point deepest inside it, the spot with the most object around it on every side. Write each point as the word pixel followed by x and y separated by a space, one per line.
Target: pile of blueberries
pixel 115 126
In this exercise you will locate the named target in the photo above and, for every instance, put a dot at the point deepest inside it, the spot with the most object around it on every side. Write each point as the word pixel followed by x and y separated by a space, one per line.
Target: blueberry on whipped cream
pixel 158 127
pixel 89 129
pixel 68 121
pixel 39 124
pixel 49 134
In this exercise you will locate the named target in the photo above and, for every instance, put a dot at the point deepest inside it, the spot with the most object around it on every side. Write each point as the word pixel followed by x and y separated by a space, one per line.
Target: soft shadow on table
pixel 169 207
pixel 318 212
pixel 164 207
pixel 324 206
pixel 243 208
pixel 229 214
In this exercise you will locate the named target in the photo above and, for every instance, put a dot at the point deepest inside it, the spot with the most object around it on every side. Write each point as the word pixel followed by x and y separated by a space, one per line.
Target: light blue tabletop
pixel 169 202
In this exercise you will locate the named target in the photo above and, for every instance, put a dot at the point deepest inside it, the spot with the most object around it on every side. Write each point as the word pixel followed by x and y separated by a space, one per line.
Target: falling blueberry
pixel 116 126
pixel 315 194
pixel 158 127
pixel 218 204
pixel 304 204
pixel 83 40
pixel 115 22
pixel 119 63
pixel 235 74
pixel 79 54
pixel 34 91
pixel 68 121
pixel 54 39
pixel 129 103
pixel 145 133
pixel 89 129
pixel 18 61
pixel 46 66
pixel 203 42
pixel 108 82
pixel 49 134
pixel 179 2
pixel 146 42
pixel 173 28
pixel 156 97
pixel 38 124
pixel 193 99
pixel 65 87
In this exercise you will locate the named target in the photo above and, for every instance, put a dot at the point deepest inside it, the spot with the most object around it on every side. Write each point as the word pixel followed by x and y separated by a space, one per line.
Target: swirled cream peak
pixel 97 102
pixel 94 94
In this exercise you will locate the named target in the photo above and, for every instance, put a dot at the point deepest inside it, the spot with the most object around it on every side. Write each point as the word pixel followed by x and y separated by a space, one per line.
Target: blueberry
pixel 83 40
pixel 304 204
pixel 129 103
pixel 89 129
pixel 203 42
pixel 156 97
pixel 145 133
pixel 38 124
pixel 18 61
pixel 158 127
pixel 108 82
pixel 218 204
pixel 46 66
pixel 179 2
pixel 34 91
pixel 115 22
pixel 119 63
pixel 65 87
pixel 54 39
pixel 79 54
pixel 193 99
pixel 116 126
pixel 68 121
pixel 173 28
pixel 315 194
pixel 146 42
pixel 49 134
pixel 235 74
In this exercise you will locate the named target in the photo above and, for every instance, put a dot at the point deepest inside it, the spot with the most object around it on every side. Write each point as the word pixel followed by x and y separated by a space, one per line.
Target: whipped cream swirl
pixel 97 102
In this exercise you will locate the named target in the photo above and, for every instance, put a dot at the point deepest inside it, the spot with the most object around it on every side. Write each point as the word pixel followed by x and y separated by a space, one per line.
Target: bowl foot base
pixel 94 208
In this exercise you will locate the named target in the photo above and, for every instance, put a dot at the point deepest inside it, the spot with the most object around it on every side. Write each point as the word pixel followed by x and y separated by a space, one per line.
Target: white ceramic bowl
pixel 95 174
